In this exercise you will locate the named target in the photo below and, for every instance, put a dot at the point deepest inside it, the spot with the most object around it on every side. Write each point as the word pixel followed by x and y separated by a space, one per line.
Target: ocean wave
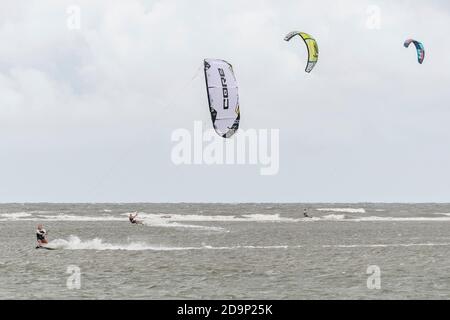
pixel 181 220
pixel 150 218
pixel 169 224
pixel 399 219
pixel 15 215
pixel 217 218
pixel 382 245
pixel 69 217
pixel 334 217
pixel 267 218
pixel 443 214
pixel 28 216
pixel 347 210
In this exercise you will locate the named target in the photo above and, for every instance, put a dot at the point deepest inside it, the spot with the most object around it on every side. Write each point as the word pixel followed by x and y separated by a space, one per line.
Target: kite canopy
pixel 419 48
pixel 311 45
pixel 223 96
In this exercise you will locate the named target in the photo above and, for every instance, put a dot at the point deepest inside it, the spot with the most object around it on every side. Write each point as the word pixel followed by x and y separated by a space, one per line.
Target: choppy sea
pixel 226 251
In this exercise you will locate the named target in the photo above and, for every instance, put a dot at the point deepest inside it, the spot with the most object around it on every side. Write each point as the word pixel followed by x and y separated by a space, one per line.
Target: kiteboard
pixel 46 248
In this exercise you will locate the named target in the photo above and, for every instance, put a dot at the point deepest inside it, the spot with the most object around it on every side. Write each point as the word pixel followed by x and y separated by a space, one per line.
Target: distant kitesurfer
pixel 133 218
pixel 41 235
pixel 305 213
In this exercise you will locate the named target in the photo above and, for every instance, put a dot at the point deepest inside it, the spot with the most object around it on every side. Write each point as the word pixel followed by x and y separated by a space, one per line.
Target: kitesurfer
pixel 41 235
pixel 133 218
pixel 305 214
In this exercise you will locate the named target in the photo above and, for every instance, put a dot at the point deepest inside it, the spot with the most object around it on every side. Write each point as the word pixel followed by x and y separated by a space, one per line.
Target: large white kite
pixel 223 96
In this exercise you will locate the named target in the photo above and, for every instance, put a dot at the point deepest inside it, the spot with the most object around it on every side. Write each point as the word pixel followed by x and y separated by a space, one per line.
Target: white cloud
pixel 94 108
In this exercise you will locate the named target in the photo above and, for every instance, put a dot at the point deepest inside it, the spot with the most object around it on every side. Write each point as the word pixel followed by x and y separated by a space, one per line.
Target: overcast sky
pixel 86 115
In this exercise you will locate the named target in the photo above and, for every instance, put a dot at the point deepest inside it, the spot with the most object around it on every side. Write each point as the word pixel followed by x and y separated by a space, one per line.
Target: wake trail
pixel 75 243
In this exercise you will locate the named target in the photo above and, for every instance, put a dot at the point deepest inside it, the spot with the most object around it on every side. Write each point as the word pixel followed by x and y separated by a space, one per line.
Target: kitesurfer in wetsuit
pixel 41 235
pixel 305 214
pixel 133 218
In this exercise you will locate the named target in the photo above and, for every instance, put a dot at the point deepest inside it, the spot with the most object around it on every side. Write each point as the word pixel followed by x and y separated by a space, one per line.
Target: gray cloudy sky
pixel 87 115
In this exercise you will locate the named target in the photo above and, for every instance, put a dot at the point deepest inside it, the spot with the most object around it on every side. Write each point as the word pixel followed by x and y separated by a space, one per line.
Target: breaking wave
pixel 347 210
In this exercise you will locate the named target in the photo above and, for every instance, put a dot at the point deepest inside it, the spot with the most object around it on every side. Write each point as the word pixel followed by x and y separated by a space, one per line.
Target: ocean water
pixel 220 251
